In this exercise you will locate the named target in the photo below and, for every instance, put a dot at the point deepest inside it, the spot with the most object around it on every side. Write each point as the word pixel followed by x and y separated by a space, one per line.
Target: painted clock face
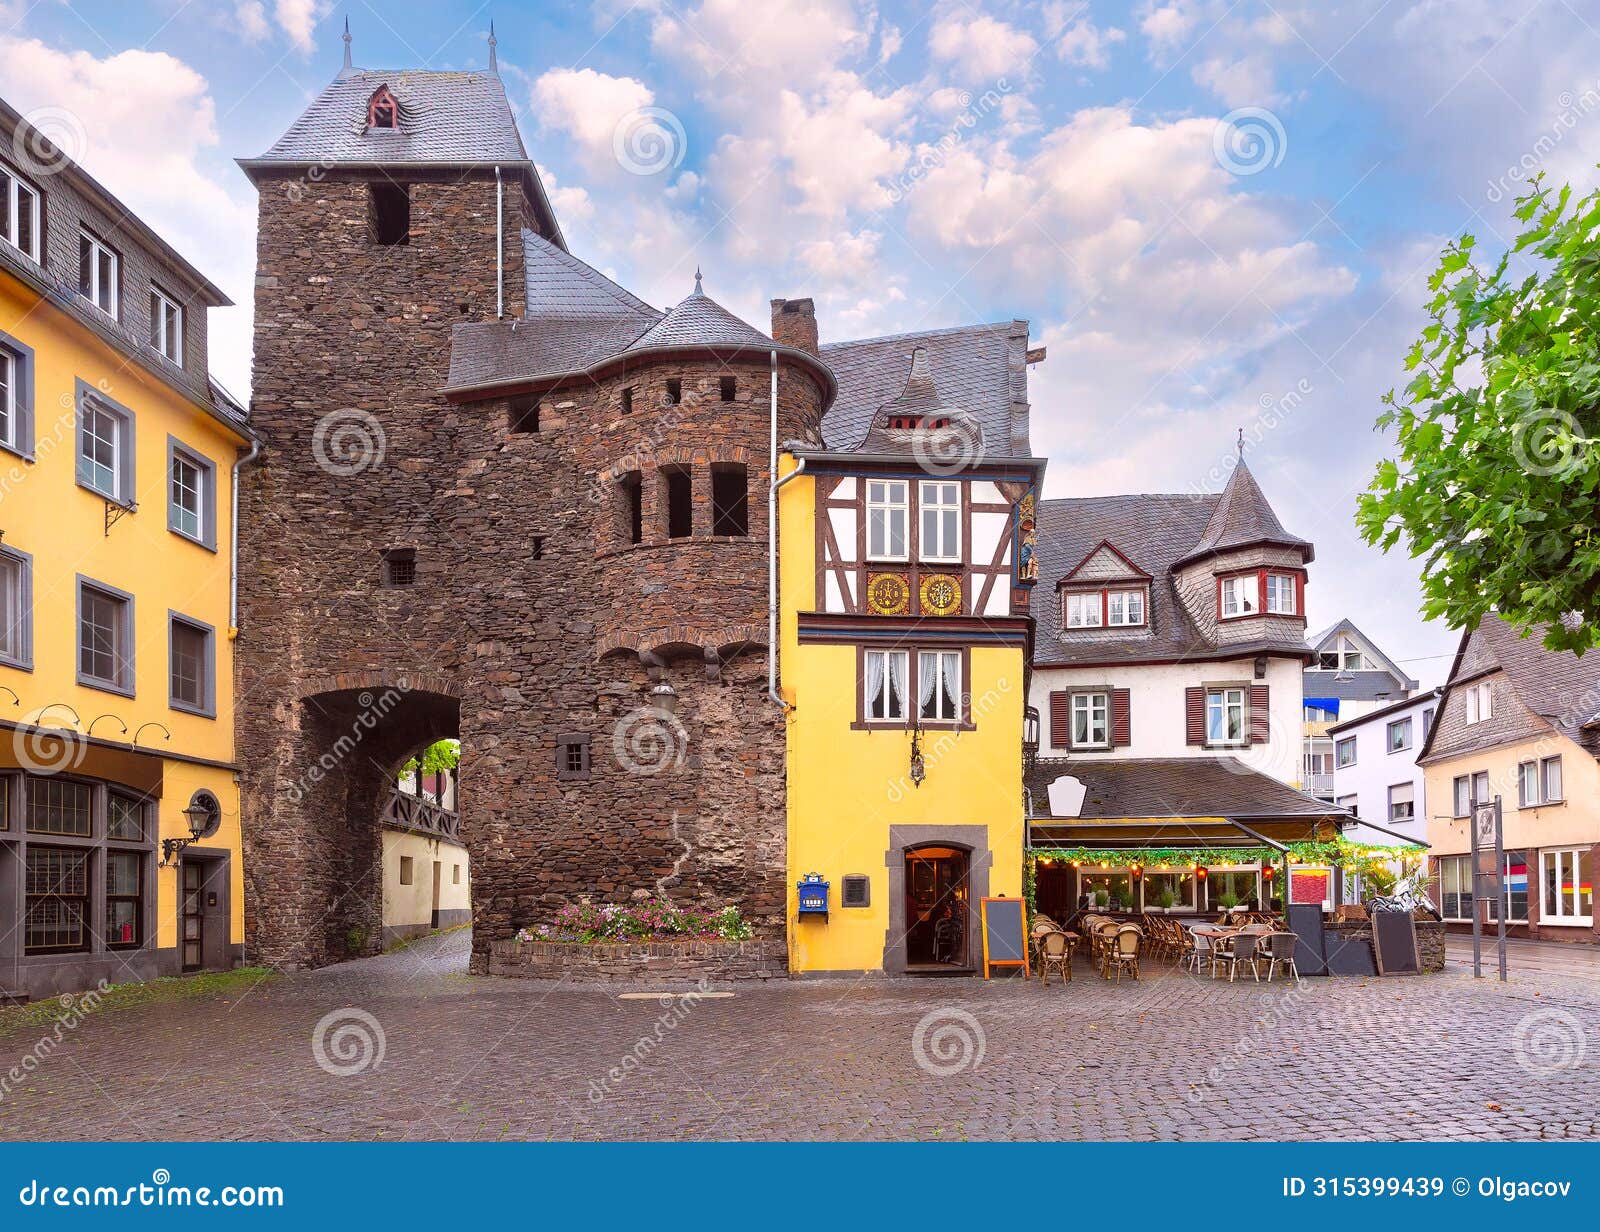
pixel 888 594
pixel 941 594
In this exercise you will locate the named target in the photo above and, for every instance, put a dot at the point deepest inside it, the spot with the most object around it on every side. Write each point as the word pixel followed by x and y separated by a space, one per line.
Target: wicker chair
pixel 1055 954
pixel 1100 940
pixel 1123 952
pixel 1280 953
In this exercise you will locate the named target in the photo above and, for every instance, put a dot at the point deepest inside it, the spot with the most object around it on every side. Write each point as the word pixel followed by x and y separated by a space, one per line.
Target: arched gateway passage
pixel 314 857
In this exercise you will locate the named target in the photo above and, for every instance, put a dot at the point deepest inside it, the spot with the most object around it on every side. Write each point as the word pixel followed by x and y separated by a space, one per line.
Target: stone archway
pixel 314 847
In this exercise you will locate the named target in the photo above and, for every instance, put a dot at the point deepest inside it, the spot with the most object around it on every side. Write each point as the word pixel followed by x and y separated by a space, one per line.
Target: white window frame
pixel 1479 703
pixel 1351 804
pixel 1233 588
pixel 947 670
pixel 1094 708
pixel 92 408
pixel 16 624
pixel 167 341
pixel 1388 735
pixel 945 517
pixel 1538 770
pixel 1082 609
pixel 122 650
pixel 1345 742
pixel 1457 864
pixel 1565 858
pixel 205 495
pixel 1558 796
pixel 890 499
pixel 93 292
pixel 1272 606
pixel 1412 816
pixel 1118 615
pixel 1224 696
pixel 1461 795
pixel 895 662
pixel 13 189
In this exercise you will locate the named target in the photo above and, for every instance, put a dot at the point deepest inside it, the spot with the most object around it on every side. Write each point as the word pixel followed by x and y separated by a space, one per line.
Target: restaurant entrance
pixel 937 908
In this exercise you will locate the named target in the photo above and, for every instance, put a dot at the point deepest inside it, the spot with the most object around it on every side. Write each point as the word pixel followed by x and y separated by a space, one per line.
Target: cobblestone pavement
pixel 1169 1057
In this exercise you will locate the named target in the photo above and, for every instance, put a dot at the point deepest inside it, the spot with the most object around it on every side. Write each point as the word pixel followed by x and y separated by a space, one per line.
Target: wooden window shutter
pixel 1260 714
pixel 1121 719
pixel 1060 729
pixel 1195 715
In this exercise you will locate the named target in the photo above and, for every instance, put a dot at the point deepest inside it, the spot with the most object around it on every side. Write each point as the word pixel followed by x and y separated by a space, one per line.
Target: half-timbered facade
pixel 907 543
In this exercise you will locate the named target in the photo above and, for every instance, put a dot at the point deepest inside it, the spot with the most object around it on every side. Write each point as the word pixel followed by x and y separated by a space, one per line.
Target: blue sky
pixel 1215 215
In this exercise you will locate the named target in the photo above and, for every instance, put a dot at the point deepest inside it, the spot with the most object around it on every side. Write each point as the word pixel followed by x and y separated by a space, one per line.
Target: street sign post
pixel 1488 879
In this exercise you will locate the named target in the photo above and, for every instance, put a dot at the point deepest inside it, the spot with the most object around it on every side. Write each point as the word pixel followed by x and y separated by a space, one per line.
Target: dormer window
pixel 1268 592
pixel 1125 608
pixel 1084 610
pixel 918 423
pixel 1237 597
pixel 1122 608
pixel 382 110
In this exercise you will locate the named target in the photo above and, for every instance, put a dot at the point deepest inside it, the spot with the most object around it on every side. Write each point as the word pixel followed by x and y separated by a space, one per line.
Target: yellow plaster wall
pixel 846 788
pixel 1575 822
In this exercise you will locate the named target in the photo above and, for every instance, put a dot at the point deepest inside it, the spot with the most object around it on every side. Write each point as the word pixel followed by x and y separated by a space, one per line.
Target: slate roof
pixel 1365 686
pixel 700 321
pixel 1173 787
pixel 1151 531
pixel 1556 685
pixel 1242 517
pixel 979 371
pixel 445 117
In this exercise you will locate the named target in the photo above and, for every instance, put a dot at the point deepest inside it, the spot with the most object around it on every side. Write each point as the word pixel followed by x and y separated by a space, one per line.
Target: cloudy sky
pixel 1215 215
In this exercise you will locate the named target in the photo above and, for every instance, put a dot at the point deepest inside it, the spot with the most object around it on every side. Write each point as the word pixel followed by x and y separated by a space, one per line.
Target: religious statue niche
pixel 1027 560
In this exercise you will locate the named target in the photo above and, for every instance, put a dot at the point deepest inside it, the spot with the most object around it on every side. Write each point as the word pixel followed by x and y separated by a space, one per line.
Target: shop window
pixel 124 900
pixel 56 910
pixel 59 806
pixel 1568 889
pixel 1455 887
pixel 730 500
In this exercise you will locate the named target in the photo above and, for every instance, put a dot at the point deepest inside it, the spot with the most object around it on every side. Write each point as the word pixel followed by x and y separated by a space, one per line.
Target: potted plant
pixel 1227 900
pixel 1101 898
pixel 1167 899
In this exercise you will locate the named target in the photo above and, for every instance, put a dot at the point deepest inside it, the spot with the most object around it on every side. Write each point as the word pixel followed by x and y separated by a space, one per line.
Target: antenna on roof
pixel 347 66
pixel 494 60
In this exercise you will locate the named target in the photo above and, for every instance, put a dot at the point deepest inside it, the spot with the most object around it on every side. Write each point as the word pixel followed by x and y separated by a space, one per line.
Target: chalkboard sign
pixel 1394 943
pixel 1310 954
pixel 1005 942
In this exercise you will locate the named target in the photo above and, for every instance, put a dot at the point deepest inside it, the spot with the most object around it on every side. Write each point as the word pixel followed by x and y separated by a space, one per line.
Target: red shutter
pixel 1121 719
pixel 1195 715
pixel 1260 714
pixel 1059 730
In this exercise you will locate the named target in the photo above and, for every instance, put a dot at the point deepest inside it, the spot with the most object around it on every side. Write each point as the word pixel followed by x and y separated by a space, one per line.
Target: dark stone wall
pixel 532 619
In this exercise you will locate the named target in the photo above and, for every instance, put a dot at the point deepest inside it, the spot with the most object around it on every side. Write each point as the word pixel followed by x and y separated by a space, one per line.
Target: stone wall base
pixel 1430 939
pixel 674 961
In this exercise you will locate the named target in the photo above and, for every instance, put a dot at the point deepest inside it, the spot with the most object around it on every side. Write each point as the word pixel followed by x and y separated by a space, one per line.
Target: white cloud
pixel 1168 27
pixel 588 106
pixel 250 19
pixel 741 51
pixel 144 121
pixel 1242 82
pixel 1077 39
pixel 980 48
pixel 298 20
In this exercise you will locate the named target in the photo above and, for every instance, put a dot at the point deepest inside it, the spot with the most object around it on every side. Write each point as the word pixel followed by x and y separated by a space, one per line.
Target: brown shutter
pixel 1121 719
pixel 1059 731
pixel 1195 715
pixel 1260 718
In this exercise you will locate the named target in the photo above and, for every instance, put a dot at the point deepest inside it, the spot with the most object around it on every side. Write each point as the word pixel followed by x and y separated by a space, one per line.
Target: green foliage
pixel 1228 900
pixel 590 922
pixel 438 757
pixel 1498 431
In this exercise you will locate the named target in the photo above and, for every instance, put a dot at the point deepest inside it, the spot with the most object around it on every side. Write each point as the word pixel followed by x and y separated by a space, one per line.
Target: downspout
pixel 233 535
pixel 499 246
pixel 772 540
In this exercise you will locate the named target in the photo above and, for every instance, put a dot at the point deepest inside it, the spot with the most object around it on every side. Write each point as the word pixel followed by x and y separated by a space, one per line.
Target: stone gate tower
pixel 499 497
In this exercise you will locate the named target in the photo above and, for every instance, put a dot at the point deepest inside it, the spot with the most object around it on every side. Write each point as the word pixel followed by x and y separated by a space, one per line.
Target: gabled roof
pixel 1348 627
pixel 1556 685
pixel 977 373
pixel 1105 545
pixel 1242 517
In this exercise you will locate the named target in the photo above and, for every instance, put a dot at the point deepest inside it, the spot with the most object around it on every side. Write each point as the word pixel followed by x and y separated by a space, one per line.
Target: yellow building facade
pixel 903 652
pixel 117 457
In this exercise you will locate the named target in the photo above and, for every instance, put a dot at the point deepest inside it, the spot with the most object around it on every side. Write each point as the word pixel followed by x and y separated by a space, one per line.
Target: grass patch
pixel 124 996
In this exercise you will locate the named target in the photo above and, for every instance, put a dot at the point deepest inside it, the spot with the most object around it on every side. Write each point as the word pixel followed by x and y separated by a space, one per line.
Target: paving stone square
pixel 409 1046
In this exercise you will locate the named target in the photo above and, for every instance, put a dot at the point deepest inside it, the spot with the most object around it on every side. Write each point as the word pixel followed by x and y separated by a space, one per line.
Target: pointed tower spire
pixel 697 288
pixel 494 59
pixel 1240 446
pixel 348 67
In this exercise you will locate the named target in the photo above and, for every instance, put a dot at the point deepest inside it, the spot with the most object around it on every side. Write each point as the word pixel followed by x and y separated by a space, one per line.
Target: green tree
pixel 438 757
pixel 1494 485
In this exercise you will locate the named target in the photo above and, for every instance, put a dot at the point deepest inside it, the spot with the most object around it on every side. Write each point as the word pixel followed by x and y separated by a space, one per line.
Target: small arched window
pixel 382 110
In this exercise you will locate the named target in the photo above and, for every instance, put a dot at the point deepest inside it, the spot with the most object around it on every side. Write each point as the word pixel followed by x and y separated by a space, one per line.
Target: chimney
pixel 794 324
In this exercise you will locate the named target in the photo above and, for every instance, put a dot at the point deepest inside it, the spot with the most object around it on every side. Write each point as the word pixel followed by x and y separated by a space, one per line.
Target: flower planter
pixel 638 961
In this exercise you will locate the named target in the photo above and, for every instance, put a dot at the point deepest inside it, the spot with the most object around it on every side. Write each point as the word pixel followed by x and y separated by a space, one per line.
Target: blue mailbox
pixel 813 894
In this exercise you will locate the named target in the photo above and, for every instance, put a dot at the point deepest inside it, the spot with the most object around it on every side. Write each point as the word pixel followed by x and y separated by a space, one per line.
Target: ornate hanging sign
pixel 941 594
pixel 888 594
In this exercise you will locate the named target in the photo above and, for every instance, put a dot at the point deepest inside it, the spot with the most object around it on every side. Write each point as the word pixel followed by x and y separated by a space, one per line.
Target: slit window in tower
pixel 631 490
pixel 674 392
pixel 627 400
pixel 525 414
pixel 399 567
pixel 730 501
pixel 391 214
pixel 679 493
pixel 729 387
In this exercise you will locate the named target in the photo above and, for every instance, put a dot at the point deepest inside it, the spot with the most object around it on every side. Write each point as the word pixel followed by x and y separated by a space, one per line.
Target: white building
pixel 1348 676
pixel 1375 772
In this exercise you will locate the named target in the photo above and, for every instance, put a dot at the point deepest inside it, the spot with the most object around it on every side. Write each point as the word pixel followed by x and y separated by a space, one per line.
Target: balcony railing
pixel 404 811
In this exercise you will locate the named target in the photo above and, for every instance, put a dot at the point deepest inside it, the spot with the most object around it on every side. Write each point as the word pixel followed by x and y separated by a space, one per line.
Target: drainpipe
pixel 772 540
pixel 233 535
pixel 499 246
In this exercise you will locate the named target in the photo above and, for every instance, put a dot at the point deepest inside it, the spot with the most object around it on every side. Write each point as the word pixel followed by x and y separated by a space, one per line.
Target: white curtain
pixel 897 684
pixel 928 677
pixel 875 708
